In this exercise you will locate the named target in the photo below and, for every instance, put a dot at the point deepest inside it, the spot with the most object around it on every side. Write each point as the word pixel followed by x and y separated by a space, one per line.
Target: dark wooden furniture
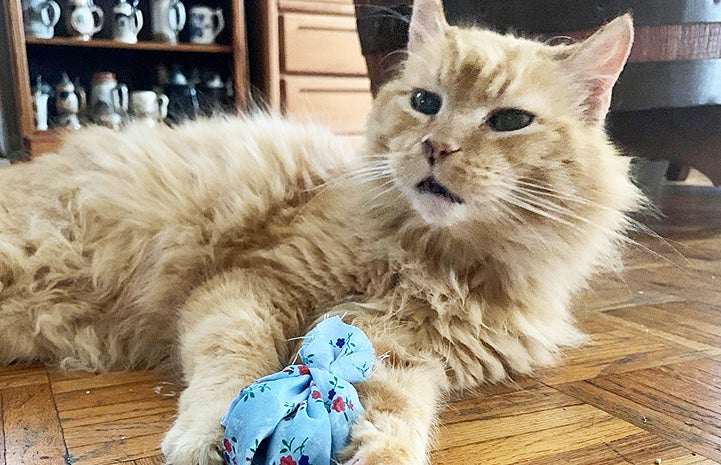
pixel 667 103
pixel 307 62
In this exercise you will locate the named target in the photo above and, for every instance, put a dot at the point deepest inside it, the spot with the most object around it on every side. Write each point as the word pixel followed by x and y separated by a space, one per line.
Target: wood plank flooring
pixel 646 391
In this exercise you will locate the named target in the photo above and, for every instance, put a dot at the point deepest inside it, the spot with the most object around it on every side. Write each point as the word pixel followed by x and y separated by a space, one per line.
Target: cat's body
pixel 455 246
pixel 103 243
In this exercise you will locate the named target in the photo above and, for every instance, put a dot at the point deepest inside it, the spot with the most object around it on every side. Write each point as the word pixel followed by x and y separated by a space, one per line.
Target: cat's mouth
pixel 430 185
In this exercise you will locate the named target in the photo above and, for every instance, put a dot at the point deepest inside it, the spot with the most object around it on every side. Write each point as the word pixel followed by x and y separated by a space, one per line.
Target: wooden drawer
pixel 336 7
pixel 320 44
pixel 341 103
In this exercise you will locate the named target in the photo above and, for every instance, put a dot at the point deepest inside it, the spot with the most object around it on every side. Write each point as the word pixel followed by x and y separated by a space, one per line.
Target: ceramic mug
pixel 205 24
pixel 41 16
pixel 85 19
pixel 148 106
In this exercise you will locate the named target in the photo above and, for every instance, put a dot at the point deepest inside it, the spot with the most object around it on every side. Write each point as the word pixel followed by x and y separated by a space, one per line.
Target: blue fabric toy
pixel 303 414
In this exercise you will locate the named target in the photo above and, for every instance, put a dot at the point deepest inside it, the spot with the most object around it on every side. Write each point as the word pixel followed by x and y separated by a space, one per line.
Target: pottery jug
pixel 168 18
pixel 127 22
pixel 108 99
pixel 85 19
pixel 70 99
pixel 40 18
pixel 149 107
pixel 205 24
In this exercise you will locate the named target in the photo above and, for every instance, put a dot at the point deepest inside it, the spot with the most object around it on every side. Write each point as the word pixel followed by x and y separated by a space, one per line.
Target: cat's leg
pixel 229 337
pixel 18 341
pixel 400 405
pixel 401 400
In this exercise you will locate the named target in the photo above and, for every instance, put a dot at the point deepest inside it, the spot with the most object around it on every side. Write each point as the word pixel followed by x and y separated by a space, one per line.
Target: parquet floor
pixel 647 391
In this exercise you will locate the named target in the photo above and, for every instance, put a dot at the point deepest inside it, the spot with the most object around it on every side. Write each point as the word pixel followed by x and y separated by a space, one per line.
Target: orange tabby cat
pixel 490 194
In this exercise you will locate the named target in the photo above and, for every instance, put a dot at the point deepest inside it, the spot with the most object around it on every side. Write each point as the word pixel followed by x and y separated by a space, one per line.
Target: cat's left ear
pixel 598 61
pixel 427 21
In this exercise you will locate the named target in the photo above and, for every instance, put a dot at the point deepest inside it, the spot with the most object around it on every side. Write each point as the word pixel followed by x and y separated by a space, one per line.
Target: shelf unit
pixel 130 61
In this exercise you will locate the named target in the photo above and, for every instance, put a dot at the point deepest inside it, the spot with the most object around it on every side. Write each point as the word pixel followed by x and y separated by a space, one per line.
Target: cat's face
pixel 484 128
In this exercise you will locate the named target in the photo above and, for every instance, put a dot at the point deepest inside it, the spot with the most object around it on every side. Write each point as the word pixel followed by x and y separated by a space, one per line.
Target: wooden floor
pixel 647 391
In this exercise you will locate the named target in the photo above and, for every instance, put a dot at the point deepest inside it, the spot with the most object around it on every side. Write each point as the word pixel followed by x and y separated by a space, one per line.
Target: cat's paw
pixel 192 444
pixel 370 446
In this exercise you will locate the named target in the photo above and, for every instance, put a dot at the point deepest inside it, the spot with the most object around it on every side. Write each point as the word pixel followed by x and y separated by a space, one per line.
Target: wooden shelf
pixel 39 142
pixel 51 134
pixel 111 44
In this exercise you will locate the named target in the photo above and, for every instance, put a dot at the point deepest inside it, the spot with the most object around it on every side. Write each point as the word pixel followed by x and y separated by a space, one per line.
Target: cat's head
pixel 480 128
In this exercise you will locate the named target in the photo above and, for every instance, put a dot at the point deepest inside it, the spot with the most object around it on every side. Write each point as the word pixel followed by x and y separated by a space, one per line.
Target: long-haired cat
pixel 489 195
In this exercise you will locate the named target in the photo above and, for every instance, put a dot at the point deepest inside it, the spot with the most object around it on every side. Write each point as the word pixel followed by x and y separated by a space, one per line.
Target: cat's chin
pixel 438 211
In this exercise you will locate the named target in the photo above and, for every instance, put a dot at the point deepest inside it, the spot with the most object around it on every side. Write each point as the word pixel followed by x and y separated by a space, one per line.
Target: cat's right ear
pixel 598 61
pixel 427 21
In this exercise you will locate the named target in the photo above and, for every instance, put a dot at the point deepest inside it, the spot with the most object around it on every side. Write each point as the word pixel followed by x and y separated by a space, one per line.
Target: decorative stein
pixel 183 97
pixel 41 94
pixel 85 19
pixel 148 107
pixel 205 24
pixel 69 100
pixel 108 100
pixel 168 18
pixel 127 22
pixel 40 18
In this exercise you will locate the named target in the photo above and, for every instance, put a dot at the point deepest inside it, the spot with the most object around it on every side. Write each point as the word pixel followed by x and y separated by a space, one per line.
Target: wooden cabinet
pixel 307 61
pixel 134 64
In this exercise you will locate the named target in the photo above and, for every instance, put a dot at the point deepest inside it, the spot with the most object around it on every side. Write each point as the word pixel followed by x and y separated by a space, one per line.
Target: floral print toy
pixel 303 414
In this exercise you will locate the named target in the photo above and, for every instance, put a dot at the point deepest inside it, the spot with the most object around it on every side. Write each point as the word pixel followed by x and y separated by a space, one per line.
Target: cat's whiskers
pixel 539 204
pixel 513 216
pixel 529 205
pixel 384 188
pixel 635 225
pixel 365 173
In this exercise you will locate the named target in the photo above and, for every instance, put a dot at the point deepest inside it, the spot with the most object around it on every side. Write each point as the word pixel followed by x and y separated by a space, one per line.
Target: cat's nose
pixel 435 151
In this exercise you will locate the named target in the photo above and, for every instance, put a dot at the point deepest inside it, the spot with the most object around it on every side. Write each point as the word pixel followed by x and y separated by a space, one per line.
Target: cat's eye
pixel 426 102
pixel 509 119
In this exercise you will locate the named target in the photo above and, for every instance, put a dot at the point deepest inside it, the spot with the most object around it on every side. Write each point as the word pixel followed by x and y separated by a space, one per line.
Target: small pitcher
pixel 40 18
pixel 127 22
pixel 168 18
pixel 85 19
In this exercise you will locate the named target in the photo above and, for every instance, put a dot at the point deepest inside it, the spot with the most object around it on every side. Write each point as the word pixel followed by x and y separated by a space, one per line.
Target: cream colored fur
pixel 213 244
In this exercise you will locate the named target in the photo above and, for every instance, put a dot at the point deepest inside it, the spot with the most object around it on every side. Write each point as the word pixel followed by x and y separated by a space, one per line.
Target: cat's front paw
pixel 370 446
pixel 192 444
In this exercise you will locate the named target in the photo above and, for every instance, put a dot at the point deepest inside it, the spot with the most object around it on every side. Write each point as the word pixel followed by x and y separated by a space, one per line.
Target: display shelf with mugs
pixel 73 45
pixel 170 95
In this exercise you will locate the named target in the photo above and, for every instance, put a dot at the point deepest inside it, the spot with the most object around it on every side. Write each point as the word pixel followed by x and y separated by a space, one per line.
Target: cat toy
pixel 301 415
